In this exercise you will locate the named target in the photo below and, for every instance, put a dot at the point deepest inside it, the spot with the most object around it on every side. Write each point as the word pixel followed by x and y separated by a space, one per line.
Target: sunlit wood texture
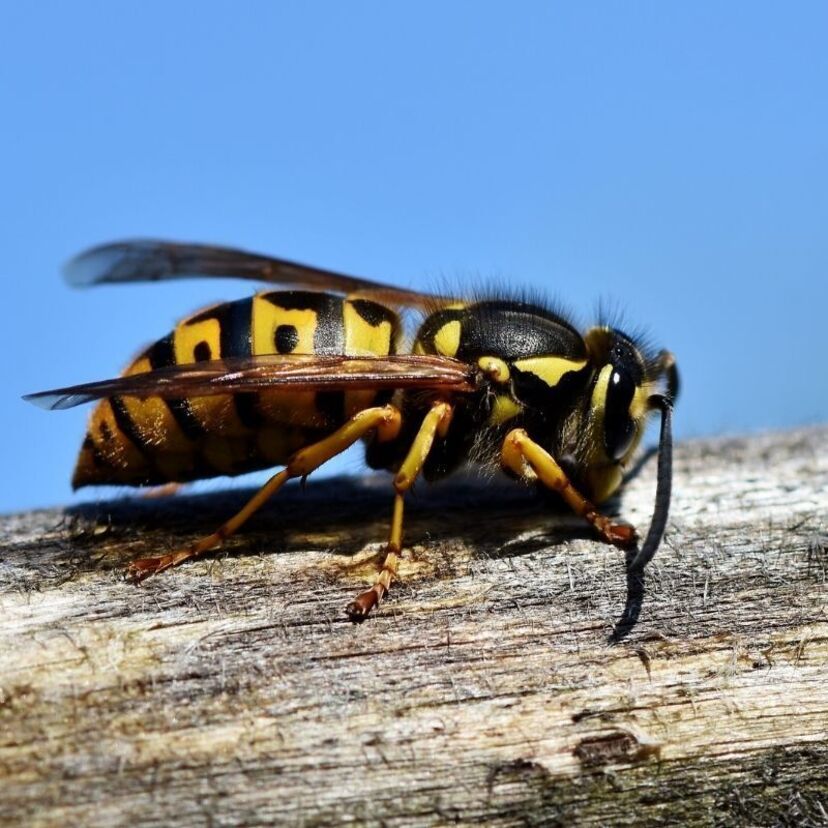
pixel 487 689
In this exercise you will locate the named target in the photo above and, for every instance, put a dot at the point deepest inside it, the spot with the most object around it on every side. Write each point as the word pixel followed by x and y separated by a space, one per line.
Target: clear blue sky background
pixel 670 157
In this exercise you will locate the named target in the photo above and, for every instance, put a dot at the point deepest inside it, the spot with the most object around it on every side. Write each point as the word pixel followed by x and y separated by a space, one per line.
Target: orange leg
pixel 385 420
pixel 435 422
pixel 523 456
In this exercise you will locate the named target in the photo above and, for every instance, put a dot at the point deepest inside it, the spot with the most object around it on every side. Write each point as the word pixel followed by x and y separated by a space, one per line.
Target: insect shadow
pixel 345 514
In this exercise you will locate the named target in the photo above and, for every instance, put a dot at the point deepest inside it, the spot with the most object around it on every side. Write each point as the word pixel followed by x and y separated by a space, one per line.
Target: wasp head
pixel 598 438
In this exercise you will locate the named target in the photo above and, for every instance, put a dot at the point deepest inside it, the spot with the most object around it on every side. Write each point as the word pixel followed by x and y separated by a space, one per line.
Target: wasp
pixel 292 377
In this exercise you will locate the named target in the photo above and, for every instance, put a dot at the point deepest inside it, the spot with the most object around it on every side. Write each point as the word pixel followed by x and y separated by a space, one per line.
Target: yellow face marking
pixel 447 339
pixel 599 393
pixel 504 409
pixel 267 317
pixel 550 369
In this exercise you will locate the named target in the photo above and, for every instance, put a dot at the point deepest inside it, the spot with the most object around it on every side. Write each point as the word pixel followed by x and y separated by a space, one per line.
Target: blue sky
pixel 672 159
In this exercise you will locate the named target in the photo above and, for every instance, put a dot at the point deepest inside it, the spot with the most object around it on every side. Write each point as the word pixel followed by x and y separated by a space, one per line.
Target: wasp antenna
pixel 667 366
pixel 664 480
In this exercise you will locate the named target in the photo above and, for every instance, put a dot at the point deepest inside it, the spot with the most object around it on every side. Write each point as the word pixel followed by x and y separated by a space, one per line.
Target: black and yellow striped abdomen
pixel 139 442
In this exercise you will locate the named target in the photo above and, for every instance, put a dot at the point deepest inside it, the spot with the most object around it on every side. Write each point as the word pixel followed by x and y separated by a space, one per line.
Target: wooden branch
pixel 496 684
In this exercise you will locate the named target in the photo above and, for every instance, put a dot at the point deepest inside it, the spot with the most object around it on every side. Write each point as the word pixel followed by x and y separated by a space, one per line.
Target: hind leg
pixel 386 420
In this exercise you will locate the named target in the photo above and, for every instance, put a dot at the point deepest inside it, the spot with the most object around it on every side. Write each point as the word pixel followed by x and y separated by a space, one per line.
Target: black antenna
pixel 664 479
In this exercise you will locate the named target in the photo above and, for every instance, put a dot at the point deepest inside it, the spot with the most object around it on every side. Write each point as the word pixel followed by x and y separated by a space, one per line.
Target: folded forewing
pixel 273 371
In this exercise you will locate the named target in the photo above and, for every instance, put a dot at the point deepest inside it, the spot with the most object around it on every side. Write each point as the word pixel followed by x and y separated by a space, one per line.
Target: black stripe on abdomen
pixel 128 428
pixel 162 355
pixel 236 321
pixel 329 334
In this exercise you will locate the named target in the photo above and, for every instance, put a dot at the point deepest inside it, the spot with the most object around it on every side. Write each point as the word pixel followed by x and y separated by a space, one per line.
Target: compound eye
pixel 619 427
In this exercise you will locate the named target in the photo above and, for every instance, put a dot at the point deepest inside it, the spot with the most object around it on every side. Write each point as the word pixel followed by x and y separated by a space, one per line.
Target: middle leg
pixel 435 422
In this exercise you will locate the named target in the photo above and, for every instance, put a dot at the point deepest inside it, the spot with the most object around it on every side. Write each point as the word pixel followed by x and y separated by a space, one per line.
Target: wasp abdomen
pixel 147 441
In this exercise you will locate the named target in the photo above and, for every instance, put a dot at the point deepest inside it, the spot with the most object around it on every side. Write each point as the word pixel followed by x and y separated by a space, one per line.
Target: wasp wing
pixel 293 372
pixel 149 260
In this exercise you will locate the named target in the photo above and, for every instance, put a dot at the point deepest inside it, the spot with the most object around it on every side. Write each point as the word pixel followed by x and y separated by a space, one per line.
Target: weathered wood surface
pixel 494 686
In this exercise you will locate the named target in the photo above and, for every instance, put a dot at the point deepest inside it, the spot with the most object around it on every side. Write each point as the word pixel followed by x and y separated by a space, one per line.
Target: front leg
pixel 524 457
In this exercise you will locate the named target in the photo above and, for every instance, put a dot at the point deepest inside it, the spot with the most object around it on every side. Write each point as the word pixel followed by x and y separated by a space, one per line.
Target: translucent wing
pixel 149 260
pixel 273 371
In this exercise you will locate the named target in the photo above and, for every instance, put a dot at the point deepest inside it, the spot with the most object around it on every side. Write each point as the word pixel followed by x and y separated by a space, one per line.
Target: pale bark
pixel 494 685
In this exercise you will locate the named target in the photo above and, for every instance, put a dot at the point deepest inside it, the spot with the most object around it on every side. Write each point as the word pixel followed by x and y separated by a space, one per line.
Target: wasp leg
pixel 523 456
pixel 435 422
pixel 385 420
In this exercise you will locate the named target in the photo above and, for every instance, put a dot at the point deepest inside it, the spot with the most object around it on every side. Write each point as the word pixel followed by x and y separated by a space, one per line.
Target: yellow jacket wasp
pixel 293 377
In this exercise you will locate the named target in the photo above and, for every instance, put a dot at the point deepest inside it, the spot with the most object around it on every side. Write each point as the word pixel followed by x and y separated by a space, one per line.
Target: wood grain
pixel 503 682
